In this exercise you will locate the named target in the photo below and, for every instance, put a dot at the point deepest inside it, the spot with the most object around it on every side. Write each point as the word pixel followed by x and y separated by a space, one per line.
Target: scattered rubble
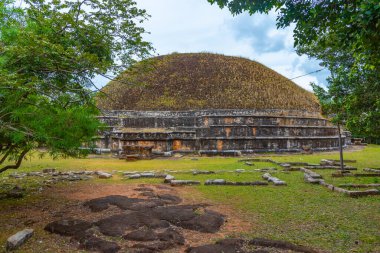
pixel 266 169
pixel 314 178
pixel 183 182
pixel 367 174
pixel 224 182
pixel 103 175
pixel 359 185
pixel 134 176
pixel 334 162
pixel 16 192
pixel 215 182
pixel 274 180
pixel 328 167
pixel 17 175
pixel 145 175
pixel 203 172
pixel 35 174
pixel 168 179
pixel 351 193
pixel 311 176
pixel 377 170
pixel 344 173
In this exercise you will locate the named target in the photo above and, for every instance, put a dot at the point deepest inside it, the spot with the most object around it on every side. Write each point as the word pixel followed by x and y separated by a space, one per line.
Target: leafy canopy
pixel 49 53
pixel 345 36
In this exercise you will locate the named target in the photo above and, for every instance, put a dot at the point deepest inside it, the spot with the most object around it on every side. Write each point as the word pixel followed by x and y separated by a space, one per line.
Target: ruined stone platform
pixel 218 132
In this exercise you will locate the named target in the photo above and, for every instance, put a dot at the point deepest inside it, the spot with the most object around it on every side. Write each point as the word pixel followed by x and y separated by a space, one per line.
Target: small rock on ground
pixel 16 240
pixel 104 175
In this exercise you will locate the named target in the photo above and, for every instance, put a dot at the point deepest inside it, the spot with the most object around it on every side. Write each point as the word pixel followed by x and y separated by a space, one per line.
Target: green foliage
pixel 49 53
pixel 345 36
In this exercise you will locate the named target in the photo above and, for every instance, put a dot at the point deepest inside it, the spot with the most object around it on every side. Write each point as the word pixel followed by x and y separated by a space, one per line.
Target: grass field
pixel 301 213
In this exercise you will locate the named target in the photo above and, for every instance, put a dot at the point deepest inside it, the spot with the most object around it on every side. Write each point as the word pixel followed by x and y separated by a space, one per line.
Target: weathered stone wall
pixel 252 131
pixel 219 130
pixel 268 144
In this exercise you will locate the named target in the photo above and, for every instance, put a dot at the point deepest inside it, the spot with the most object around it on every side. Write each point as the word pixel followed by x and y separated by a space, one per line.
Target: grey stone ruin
pixel 218 132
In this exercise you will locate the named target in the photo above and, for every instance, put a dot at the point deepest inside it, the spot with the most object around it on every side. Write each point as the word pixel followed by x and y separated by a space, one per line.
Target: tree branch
pixel 10 148
pixel 18 163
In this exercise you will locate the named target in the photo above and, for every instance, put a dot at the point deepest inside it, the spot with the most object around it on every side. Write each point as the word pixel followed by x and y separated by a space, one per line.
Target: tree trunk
pixel 340 149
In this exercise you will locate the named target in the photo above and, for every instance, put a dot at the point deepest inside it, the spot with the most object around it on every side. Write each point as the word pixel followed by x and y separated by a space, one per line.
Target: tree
pixel 345 36
pixel 49 53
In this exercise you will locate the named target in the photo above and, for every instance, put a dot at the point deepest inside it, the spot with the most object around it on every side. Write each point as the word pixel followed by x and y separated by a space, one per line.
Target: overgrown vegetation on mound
pixel 203 81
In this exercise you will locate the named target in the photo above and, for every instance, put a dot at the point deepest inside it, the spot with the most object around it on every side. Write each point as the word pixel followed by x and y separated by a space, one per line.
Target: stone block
pixel 372 170
pixel 205 172
pixel 104 175
pixel 147 174
pixel 16 240
pixel 134 176
pixel 184 182
pixel 215 182
pixel 274 180
pixel 168 178
pixel 279 182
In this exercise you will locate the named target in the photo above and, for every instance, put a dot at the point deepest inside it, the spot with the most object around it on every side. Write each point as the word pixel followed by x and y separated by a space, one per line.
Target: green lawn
pixel 301 213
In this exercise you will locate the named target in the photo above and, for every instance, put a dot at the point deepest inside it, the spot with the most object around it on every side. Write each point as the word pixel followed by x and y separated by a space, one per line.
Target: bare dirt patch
pixel 121 218
pixel 62 203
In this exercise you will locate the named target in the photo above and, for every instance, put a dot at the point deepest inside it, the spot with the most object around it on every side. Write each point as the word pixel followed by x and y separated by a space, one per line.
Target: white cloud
pixel 197 26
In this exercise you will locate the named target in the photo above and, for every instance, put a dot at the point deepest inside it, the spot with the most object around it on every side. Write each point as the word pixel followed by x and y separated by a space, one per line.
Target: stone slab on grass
pixel 274 180
pixel 224 182
pixel 215 182
pixel 203 172
pixel 372 170
pixel 18 239
pixel 104 175
pixel 184 182
pixel 168 178
pixel 359 185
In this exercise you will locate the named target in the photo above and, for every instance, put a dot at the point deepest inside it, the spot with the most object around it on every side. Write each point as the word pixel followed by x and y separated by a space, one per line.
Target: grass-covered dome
pixel 203 81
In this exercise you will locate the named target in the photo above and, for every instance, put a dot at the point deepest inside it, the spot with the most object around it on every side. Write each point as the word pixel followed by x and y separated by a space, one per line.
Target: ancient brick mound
pixel 210 104
pixel 203 81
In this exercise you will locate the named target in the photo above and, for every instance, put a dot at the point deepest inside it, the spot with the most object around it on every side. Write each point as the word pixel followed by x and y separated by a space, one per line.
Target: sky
pixel 184 26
